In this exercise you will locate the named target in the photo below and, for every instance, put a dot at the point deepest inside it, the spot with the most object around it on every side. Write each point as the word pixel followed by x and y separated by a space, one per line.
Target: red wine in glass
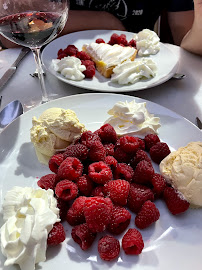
pixel 32 29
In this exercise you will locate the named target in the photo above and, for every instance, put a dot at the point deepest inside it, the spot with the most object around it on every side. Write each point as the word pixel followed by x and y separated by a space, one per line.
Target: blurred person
pixel 184 18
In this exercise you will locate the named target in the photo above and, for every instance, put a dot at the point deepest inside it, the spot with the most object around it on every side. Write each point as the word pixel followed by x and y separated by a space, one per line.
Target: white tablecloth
pixel 182 96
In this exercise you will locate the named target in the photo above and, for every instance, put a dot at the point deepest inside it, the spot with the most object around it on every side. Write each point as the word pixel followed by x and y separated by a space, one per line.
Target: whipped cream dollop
pixel 147 42
pixel 70 67
pixel 110 55
pixel 53 131
pixel 29 215
pixel 133 71
pixel 183 170
pixel 133 119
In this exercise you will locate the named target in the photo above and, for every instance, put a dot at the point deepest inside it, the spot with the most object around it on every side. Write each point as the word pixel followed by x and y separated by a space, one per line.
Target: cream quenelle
pixel 29 215
pixel 147 42
pixel 183 170
pixel 133 71
pixel 70 67
pixel 132 118
pixel 54 130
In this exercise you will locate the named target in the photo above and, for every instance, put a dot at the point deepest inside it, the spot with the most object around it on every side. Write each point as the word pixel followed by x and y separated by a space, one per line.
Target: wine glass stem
pixel 37 57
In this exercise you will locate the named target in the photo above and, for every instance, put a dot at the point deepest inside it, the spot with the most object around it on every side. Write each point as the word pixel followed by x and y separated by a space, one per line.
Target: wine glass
pixel 33 23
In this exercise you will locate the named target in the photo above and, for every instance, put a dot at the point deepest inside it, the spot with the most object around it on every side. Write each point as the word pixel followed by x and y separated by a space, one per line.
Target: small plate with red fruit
pixel 164 234
pixel 165 60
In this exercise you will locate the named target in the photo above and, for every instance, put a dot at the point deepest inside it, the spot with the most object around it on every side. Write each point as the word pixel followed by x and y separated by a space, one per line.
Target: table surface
pixel 181 96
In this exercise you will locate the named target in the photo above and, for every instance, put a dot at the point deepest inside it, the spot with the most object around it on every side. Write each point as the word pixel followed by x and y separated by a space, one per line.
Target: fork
pixel 36 75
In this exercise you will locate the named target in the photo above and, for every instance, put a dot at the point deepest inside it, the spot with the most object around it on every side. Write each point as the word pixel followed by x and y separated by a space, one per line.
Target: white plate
pixel 174 242
pixel 166 62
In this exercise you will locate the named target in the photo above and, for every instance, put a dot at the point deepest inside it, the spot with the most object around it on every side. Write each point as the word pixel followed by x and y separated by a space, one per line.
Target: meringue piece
pixel 183 170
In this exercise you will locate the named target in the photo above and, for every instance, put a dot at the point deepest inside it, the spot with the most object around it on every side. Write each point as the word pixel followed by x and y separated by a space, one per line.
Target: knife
pixel 199 124
pixel 9 73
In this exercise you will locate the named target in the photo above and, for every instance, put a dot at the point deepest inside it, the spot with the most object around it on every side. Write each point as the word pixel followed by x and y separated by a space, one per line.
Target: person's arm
pixel 193 39
pixel 180 23
pixel 79 20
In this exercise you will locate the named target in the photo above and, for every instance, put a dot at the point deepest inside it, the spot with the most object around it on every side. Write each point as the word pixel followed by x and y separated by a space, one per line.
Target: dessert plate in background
pixel 166 61
pixel 173 242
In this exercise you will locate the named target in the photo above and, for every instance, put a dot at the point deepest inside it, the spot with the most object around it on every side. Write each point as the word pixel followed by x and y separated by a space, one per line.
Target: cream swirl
pixel 29 215
pixel 70 67
pixel 147 42
pixel 133 119
pixel 133 71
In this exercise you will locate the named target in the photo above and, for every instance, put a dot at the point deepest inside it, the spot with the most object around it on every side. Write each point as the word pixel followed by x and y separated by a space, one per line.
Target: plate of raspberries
pixel 116 209
pixel 72 44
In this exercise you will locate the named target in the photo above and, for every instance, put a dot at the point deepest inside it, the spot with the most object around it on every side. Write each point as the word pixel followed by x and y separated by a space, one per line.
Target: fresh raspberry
pixel 100 40
pixel 71 50
pixel 71 168
pixel 113 39
pixel 111 162
pixel 109 148
pixel 122 40
pixel 98 191
pixel 117 191
pixel 107 134
pixel 83 236
pixel 138 194
pixel 56 235
pixel 97 151
pixel 147 215
pixel 140 155
pixel 174 200
pixel 119 221
pixel 85 185
pixel 75 214
pixel 159 151
pixel 62 55
pixel 143 172
pixel 124 171
pixel 88 137
pixel 66 190
pixel 63 208
pixel 132 43
pixel 97 212
pixel 132 242
pixel 150 140
pixel 108 248
pixel 89 72
pixel 159 184
pixel 141 144
pixel 55 162
pixel 129 144
pixel 60 51
pixel 87 63
pixel 100 172
pixel 83 55
pixel 48 181
pixel 78 150
pixel 120 155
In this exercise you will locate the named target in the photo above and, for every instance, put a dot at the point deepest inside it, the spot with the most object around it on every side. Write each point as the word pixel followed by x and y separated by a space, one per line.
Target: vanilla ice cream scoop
pixel 183 170
pixel 54 130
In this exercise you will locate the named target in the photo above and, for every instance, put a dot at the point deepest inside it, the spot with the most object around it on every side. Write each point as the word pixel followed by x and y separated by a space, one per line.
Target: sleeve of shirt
pixel 180 5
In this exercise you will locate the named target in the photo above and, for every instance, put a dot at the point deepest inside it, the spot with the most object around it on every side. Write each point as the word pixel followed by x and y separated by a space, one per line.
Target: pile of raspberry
pixel 100 179
pixel 72 50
